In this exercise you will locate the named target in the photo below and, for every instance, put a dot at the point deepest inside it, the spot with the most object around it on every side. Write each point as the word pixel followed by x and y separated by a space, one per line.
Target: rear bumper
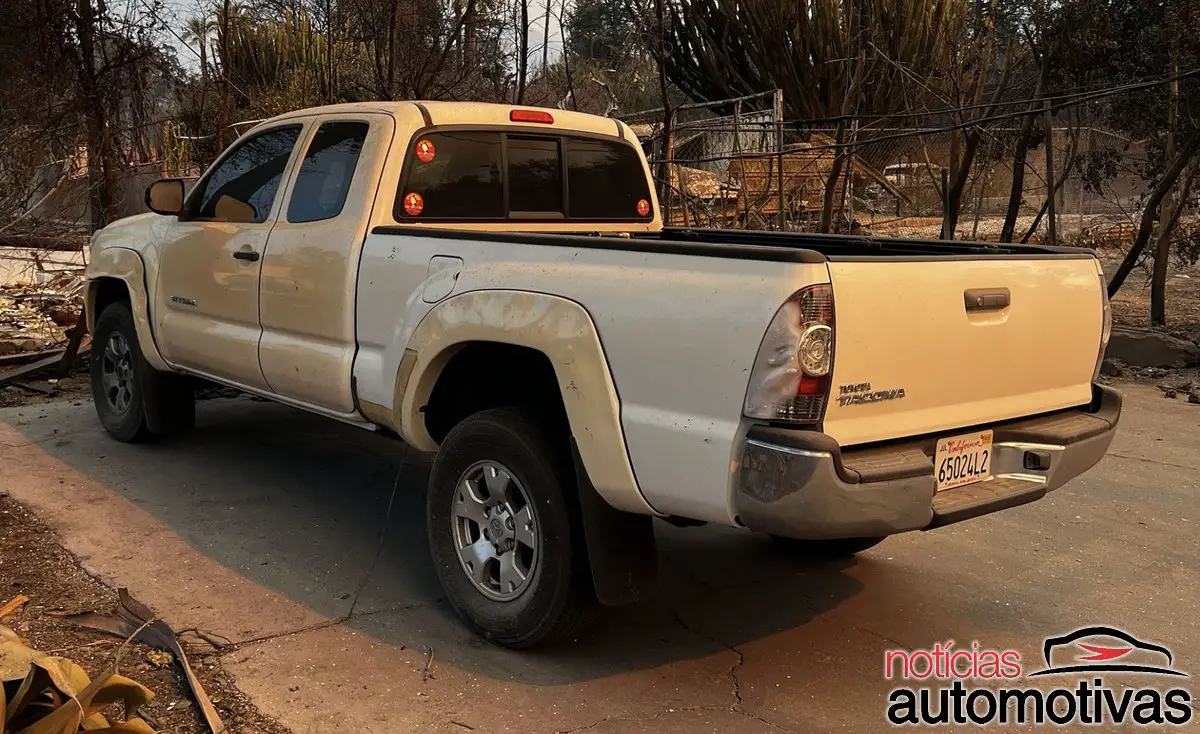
pixel 801 484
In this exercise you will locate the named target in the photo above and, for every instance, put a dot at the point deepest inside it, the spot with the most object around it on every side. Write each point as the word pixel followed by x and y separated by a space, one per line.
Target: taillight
pixel 531 116
pixel 792 372
pixel 1106 328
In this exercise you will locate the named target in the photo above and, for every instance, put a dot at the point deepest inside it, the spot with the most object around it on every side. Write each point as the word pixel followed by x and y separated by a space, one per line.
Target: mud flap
pixel 621 549
pixel 169 401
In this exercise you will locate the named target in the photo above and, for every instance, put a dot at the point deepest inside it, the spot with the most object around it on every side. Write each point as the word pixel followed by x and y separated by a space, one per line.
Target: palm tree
pixel 197 32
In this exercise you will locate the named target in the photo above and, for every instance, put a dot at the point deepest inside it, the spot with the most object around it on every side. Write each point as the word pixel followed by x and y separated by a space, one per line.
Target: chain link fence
pixel 737 163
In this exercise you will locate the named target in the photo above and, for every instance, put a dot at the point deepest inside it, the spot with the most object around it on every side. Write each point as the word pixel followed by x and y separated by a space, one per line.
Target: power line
pixel 1075 98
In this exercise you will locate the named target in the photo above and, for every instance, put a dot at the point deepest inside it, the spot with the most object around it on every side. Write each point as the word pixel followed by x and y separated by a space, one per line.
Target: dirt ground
pixel 36 565
pixel 264 525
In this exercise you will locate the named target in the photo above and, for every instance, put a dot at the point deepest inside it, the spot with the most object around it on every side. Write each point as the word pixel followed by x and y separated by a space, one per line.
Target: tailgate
pixel 910 358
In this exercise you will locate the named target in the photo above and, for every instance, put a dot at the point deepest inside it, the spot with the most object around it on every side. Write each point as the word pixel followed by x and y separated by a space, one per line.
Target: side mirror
pixel 229 209
pixel 165 196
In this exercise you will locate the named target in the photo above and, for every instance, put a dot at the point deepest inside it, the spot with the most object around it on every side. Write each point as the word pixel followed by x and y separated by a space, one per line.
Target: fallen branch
pixel 48 392
pixel 25 357
pixel 135 620
pixel 33 368
pixel 428 663
pixel 13 605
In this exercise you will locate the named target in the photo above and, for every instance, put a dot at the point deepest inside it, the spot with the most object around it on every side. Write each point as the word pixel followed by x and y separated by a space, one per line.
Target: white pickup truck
pixel 494 284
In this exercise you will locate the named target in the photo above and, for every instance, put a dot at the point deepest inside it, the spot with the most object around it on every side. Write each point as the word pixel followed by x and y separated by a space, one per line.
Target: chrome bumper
pixel 800 484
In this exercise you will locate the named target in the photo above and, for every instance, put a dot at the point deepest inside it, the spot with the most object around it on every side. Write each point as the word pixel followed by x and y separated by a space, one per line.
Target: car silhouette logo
pixel 1130 655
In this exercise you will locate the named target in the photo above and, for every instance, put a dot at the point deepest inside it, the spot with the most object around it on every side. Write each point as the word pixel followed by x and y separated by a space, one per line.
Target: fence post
pixel 779 154
pixel 668 161
pixel 737 157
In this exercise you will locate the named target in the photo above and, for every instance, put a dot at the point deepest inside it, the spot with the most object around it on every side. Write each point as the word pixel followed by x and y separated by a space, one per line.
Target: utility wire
pixel 1075 100
pixel 1077 97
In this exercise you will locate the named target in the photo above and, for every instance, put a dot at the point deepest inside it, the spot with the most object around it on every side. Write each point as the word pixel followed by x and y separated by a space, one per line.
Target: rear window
pixel 501 175
pixel 534 175
pixel 460 179
pixel 607 179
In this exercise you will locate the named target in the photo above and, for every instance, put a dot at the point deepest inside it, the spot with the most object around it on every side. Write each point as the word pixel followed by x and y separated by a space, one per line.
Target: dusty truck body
pixel 494 284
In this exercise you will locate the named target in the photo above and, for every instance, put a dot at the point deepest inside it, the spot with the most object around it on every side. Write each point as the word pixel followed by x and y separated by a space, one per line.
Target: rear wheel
pixel 504 537
pixel 826 549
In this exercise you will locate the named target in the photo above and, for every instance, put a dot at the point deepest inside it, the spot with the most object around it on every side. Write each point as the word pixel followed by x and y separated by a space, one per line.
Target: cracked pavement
pixel 258 528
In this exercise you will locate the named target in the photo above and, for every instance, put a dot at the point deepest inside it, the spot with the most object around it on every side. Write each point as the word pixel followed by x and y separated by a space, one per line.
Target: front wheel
pixel 504 540
pixel 117 368
pixel 134 401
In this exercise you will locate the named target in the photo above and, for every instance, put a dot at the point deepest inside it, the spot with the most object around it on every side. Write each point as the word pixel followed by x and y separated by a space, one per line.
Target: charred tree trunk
pixel 965 160
pixel 523 50
pixel 835 172
pixel 958 184
pixel 1024 138
pixel 546 39
pixel 1150 214
pixel 1162 248
pixel 100 158
pixel 1071 160
pixel 471 26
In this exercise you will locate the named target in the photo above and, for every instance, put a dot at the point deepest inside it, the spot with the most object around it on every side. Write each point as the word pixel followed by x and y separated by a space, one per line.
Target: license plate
pixel 963 460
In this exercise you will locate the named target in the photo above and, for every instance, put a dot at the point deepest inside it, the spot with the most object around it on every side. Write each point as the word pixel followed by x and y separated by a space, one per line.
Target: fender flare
pixel 557 327
pixel 125 265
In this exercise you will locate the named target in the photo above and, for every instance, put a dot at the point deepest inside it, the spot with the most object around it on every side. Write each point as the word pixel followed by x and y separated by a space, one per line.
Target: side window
pixel 243 186
pixel 605 180
pixel 453 175
pixel 326 172
pixel 534 175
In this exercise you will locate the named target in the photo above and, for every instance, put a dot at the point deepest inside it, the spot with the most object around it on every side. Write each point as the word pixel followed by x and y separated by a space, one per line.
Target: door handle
pixel 247 255
pixel 986 299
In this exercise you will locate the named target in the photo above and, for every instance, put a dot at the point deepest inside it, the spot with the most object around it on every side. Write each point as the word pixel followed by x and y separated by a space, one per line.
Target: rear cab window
pixel 494 175
pixel 327 171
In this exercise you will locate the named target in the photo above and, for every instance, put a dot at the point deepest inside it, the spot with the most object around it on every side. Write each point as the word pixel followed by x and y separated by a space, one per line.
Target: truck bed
pixel 682 314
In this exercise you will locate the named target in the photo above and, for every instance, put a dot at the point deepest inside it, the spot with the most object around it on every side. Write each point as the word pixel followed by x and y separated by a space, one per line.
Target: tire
pixel 134 401
pixel 826 549
pixel 468 494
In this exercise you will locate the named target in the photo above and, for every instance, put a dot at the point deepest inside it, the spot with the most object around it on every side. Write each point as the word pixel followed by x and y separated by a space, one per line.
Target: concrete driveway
pixel 261 525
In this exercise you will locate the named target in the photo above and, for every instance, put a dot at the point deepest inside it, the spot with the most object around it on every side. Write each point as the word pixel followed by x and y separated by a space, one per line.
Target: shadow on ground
pixel 296 503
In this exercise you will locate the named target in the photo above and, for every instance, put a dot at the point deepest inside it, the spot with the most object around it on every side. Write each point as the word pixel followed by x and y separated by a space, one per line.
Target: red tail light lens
pixel 793 370
pixel 539 116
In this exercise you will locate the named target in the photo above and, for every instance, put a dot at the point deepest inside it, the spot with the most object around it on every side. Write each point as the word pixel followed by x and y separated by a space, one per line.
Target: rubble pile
pixel 34 317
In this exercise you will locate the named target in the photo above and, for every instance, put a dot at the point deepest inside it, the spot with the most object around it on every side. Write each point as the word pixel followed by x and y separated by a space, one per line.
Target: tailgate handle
pixel 985 299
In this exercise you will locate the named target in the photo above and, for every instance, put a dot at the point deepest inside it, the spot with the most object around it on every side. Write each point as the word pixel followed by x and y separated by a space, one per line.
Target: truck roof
pixel 475 113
